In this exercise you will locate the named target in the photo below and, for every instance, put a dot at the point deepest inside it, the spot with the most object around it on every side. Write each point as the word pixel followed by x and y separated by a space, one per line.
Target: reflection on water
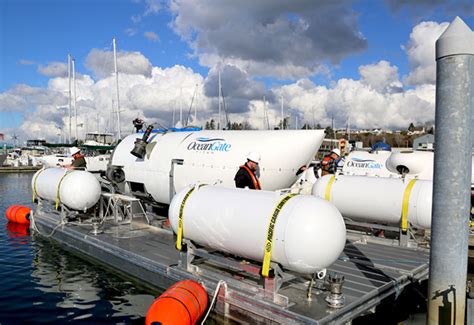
pixel 43 283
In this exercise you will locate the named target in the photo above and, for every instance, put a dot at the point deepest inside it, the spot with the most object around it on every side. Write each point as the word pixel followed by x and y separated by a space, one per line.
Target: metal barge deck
pixel 20 169
pixel 373 271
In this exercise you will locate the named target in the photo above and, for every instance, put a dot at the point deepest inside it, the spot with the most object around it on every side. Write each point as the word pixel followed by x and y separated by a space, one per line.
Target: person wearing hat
pixel 329 162
pixel 79 162
pixel 247 174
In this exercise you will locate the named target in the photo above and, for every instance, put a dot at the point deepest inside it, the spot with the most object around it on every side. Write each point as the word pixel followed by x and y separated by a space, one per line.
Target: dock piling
pixel 452 173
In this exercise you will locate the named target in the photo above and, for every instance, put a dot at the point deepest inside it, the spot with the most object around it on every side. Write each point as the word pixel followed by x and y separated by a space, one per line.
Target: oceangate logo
pixel 364 163
pixel 209 145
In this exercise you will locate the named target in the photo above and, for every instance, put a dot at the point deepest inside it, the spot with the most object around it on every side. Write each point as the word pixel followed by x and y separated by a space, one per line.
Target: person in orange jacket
pixel 247 174
pixel 329 162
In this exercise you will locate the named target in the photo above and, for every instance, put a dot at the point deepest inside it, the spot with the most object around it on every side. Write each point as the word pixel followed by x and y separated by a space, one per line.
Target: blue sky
pixel 45 31
pixel 41 32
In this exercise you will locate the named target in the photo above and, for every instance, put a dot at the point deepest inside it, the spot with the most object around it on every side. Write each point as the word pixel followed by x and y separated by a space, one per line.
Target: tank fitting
pixel 335 298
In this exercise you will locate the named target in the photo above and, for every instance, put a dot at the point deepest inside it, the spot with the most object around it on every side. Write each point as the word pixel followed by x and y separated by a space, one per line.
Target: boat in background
pixel 98 139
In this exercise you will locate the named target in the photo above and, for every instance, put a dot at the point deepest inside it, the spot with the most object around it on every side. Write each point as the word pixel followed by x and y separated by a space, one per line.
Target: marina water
pixel 43 283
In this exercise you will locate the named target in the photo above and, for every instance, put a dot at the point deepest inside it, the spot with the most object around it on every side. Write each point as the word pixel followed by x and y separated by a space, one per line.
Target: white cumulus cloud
pixel 382 77
pixel 53 69
pixel 278 38
pixel 102 63
pixel 151 36
pixel 421 52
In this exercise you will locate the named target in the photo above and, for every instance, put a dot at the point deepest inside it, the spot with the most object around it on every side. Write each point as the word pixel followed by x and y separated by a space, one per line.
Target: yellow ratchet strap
pixel 271 227
pixel 34 185
pixel 406 200
pixel 58 199
pixel 327 196
pixel 179 239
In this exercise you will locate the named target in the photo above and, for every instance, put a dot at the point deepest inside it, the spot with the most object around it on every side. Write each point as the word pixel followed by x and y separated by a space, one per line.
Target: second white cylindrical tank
pixel 76 189
pixel 309 234
pixel 377 199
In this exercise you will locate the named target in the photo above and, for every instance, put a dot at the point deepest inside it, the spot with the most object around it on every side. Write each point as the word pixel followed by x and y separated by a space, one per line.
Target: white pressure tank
pixel 309 233
pixel 213 157
pixel 378 199
pixel 76 189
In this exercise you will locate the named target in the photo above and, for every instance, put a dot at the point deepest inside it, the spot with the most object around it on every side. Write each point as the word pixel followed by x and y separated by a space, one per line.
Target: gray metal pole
pixel 74 98
pixel 119 127
pixel 452 175
pixel 69 94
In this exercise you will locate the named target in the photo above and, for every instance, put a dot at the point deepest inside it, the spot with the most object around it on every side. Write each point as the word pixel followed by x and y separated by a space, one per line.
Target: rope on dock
pixel 221 282
pixel 35 228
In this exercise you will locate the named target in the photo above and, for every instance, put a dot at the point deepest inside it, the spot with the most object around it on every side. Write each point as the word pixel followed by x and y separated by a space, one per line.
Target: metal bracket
pixel 120 208
pixel 404 237
pixel 171 175
pixel 270 285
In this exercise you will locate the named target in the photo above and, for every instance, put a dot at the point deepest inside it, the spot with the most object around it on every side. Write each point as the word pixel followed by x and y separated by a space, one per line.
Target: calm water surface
pixel 42 283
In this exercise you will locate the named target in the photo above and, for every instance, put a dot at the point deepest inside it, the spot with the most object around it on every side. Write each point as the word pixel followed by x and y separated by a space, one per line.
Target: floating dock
pixel 373 269
pixel 20 169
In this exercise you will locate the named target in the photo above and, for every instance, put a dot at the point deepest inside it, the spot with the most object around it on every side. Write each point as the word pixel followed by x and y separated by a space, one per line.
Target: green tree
pixel 329 132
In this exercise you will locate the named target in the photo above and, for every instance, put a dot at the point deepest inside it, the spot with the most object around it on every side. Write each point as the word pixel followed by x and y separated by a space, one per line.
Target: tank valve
pixel 335 298
pixel 139 150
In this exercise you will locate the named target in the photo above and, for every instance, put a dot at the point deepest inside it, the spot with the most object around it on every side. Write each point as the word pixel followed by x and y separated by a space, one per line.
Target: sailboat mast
pixel 69 93
pixel 220 94
pixel 181 106
pixel 174 110
pixel 74 97
pixel 195 108
pixel 349 129
pixel 119 133
pixel 282 118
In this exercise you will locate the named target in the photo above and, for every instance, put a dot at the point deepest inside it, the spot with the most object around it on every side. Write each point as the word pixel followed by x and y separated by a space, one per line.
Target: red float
pixel 183 303
pixel 18 214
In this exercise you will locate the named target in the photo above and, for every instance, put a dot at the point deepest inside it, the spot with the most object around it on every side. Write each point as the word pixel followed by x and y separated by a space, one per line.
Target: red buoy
pixel 18 214
pixel 183 303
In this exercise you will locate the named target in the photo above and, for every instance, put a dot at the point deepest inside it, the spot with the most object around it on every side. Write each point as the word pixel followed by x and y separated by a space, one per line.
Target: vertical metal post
pixel 282 117
pixel 181 107
pixel 219 98
pixel 119 129
pixel 74 98
pixel 452 175
pixel 69 93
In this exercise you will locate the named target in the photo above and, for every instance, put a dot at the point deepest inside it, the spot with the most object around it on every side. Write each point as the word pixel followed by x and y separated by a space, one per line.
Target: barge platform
pixel 373 269
pixel 20 169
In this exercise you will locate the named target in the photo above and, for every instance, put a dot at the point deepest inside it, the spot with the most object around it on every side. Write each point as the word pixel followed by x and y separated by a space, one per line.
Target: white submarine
pixel 159 164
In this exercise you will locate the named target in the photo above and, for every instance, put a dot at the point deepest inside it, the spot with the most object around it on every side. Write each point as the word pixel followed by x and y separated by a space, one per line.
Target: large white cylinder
pixel 214 157
pixel 78 190
pixel 309 234
pixel 377 199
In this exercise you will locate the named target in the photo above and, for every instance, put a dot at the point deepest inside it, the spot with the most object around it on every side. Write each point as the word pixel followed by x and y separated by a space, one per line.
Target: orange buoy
pixel 183 303
pixel 18 214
